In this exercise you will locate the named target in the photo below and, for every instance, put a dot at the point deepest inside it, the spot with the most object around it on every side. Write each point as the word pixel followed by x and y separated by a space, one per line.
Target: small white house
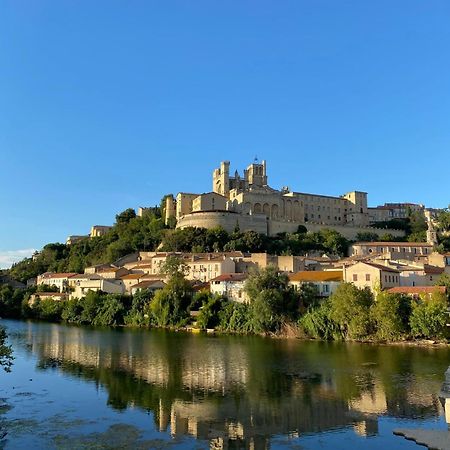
pixel 230 285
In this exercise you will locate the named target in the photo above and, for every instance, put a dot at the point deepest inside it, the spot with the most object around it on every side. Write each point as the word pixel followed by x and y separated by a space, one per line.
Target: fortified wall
pixel 261 224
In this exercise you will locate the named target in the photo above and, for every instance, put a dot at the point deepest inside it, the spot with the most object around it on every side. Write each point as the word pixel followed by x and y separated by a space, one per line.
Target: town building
pixel 372 275
pixel 390 211
pixel 325 282
pixel 418 292
pixel 55 296
pixel 75 238
pixel 59 280
pixel 392 250
pixel 231 286
pixel 99 230
pixel 82 284
pixel 148 285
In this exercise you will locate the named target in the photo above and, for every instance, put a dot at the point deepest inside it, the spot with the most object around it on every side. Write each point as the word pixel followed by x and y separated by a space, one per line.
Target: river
pixel 78 387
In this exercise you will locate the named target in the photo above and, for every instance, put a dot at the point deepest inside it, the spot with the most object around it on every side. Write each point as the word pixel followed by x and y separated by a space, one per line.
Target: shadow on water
pixel 239 392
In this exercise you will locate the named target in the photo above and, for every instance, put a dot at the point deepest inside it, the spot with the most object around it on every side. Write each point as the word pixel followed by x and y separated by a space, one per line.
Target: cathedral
pixel 248 202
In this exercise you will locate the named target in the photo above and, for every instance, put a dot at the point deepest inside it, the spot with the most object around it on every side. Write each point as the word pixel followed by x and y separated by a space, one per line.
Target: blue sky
pixel 110 104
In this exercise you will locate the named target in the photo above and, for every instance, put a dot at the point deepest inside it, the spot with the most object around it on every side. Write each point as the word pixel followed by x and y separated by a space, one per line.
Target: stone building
pixel 249 203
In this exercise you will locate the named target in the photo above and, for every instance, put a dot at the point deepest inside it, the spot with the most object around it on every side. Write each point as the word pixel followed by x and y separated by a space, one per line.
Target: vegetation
pixel 6 357
pixel 352 313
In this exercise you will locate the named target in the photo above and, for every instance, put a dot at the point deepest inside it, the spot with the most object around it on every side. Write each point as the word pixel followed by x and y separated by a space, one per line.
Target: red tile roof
pixel 326 275
pixel 59 275
pixel 380 267
pixel 231 277
pixel 417 289
pixel 394 244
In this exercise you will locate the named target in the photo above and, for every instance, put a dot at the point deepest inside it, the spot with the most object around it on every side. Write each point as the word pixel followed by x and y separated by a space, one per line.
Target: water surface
pixel 77 387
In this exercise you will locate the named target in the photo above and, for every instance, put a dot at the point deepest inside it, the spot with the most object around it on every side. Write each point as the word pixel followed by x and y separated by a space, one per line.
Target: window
pixel 367 276
pixel 355 277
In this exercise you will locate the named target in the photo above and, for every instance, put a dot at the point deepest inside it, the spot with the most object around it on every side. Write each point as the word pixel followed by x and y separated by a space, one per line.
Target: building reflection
pixel 240 392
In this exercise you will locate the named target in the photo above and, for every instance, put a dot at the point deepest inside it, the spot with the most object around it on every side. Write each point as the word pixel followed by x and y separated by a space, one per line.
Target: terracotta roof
pixel 59 275
pixel 87 276
pixel 131 276
pixel 380 266
pixel 146 284
pixel 433 269
pixel 231 277
pixel 50 294
pixel 109 269
pixel 393 244
pixel 417 289
pixel 323 275
pixel 143 266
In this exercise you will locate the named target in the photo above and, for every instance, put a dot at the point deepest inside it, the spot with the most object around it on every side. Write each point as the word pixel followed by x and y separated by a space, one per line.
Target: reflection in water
pixel 238 392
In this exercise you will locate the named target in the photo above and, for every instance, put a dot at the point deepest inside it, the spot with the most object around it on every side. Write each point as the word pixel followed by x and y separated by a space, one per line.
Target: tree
pixel 317 322
pixel 429 317
pixel 390 314
pixel 169 306
pixel 350 309
pixel 125 216
pixel 6 356
pixel 110 312
pixel 443 220
pixel 272 300
pixel 209 313
pixel 367 236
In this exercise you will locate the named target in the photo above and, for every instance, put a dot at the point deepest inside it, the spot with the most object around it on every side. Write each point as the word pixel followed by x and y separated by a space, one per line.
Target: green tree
pixel 170 305
pixel 72 310
pixel 49 310
pixel 6 356
pixel 125 216
pixel 111 311
pixel 272 301
pixel 318 323
pixel 367 236
pixel 350 309
pixel 429 317
pixel 390 314
pixel 209 313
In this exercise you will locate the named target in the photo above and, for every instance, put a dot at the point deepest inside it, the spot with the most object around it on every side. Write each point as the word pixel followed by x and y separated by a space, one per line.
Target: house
pixel 326 281
pixel 393 250
pixel 230 285
pixel 372 275
pixel 426 275
pixel 82 284
pixel 56 296
pixel 440 260
pixel 149 285
pixel 112 272
pixel 131 279
pixel 418 291
pixel 59 280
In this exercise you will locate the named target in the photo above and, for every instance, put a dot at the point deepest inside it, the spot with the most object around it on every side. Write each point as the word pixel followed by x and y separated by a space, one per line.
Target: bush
pixel 235 318
pixel 390 314
pixel 318 323
pixel 209 313
pixel 429 317
pixel 350 309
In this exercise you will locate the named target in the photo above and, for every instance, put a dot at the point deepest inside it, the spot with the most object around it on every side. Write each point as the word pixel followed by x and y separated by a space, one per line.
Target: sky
pixel 109 104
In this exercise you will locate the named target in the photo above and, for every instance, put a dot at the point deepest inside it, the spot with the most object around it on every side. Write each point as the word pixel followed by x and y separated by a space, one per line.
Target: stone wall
pixel 225 219
pixel 260 223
